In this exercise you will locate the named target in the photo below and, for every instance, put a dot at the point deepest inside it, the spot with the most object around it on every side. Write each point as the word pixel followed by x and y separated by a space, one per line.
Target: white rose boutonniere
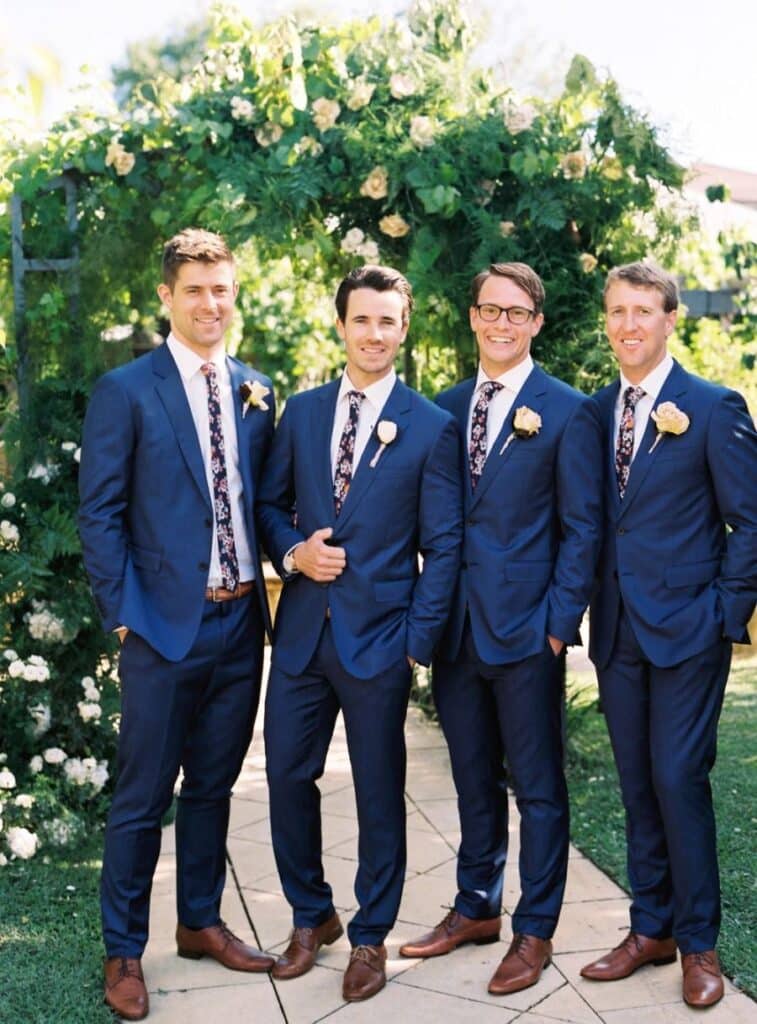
pixel 526 423
pixel 386 432
pixel 253 394
pixel 669 419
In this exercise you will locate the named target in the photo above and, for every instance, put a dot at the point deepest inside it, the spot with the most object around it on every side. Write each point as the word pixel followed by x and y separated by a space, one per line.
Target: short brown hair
pixel 646 275
pixel 193 245
pixel 519 273
pixel 380 279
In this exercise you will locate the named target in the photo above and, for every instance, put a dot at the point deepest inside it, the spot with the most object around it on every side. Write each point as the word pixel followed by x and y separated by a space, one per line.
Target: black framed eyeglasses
pixel 515 314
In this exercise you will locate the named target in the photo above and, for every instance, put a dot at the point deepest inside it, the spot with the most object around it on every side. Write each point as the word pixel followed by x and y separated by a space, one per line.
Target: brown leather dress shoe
pixel 634 951
pixel 304 943
pixel 702 980
pixel 365 974
pixel 522 964
pixel 453 931
pixel 222 944
pixel 125 989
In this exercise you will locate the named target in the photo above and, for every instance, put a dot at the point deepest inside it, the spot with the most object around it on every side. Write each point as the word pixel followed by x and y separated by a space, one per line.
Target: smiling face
pixel 502 345
pixel 373 329
pixel 201 304
pixel 637 327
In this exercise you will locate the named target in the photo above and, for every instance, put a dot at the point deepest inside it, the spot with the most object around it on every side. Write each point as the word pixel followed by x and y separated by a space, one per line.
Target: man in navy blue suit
pixel 363 476
pixel 677 585
pixel 532 525
pixel 172 450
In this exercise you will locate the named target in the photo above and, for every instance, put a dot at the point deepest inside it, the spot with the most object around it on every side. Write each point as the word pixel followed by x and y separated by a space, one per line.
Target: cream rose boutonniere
pixel 526 423
pixel 253 394
pixel 386 432
pixel 669 419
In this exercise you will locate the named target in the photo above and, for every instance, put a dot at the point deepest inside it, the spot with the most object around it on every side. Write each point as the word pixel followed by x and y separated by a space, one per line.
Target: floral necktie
pixel 624 447
pixel 227 552
pixel 346 451
pixel 477 446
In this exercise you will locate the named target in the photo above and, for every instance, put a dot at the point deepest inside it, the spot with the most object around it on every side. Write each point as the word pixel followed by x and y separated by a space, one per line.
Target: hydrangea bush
pixel 310 147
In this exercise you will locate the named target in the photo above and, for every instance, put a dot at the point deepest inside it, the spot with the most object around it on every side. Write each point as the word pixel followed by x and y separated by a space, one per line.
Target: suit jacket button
pixel 208 523
pixel 202 565
pixel 621 531
pixel 463 565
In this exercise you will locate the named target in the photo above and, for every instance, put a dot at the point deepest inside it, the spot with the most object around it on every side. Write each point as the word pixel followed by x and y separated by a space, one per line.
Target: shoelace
pixel 227 933
pixel 704 960
pixel 364 953
pixel 631 940
pixel 129 968
pixel 520 944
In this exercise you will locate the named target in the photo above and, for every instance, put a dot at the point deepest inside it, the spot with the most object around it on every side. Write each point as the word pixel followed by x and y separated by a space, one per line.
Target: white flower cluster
pixel 7 779
pixel 21 842
pixel 45 625
pixel 86 771
pixel 356 243
pixel 8 500
pixel 241 109
pixel 43 472
pixel 89 711
pixel 9 533
pixel 40 714
pixel 59 831
pixel 33 670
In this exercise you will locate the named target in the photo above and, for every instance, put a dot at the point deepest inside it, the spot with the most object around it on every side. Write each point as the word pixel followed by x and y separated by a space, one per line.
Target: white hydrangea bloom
pixel 89 711
pixel 54 755
pixel 22 843
pixel 25 800
pixel 36 764
pixel 7 779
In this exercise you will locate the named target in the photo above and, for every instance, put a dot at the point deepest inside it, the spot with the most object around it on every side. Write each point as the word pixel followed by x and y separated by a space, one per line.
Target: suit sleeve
pixel 732 460
pixel 275 506
pixel 579 508
pixel 104 482
pixel 440 534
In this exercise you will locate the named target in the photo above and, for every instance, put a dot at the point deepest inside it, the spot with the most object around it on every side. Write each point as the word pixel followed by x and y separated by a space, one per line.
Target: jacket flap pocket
pixel 145 559
pixel 693 573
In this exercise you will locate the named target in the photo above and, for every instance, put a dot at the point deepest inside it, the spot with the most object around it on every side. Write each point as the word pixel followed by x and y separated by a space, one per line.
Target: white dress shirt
pixel 512 381
pixel 652 385
pixel 370 409
pixel 196 390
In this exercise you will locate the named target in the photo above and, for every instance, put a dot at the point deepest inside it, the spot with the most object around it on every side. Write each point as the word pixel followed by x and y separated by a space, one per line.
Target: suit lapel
pixel 321 426
pixel 607 399
pixel 461 411
pixel 171 393
pixel 244 425
pixel 674 386
pixel 397 410
pixel 532 394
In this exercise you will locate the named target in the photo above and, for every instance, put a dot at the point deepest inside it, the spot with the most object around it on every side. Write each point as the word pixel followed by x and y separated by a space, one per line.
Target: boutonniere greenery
pixel 386 432
pixel 669 419
pixel 253 395
pixel 526 423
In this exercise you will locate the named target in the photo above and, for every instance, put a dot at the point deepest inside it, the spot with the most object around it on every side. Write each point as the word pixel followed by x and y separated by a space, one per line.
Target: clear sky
pixel 691 66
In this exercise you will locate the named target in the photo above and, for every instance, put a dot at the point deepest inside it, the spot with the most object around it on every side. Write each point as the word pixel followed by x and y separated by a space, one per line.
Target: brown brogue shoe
pixel 219 942
pixel 702 980
pixel 634 951
pixel 522 965
pixel 455 930
pixel 365 974
pixel 304 943
pixel 125 989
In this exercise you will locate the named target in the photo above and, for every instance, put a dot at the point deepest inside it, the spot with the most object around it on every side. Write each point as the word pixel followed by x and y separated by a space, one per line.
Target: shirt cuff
pixel 288 561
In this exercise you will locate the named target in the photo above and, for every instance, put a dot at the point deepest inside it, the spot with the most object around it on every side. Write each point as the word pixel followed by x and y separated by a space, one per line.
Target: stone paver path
pixel 450 989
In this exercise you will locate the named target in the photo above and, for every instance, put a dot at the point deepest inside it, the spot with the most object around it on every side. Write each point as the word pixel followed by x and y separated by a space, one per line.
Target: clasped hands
pixel 322 562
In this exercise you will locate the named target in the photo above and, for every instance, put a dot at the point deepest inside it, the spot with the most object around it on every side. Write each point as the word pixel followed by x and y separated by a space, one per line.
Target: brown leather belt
pixel 217 594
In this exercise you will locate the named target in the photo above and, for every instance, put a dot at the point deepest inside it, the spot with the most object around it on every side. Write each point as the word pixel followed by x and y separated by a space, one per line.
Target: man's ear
pixel 165 294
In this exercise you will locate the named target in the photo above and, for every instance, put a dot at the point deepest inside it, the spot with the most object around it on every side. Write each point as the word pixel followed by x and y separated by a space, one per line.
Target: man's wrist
pixel 289 561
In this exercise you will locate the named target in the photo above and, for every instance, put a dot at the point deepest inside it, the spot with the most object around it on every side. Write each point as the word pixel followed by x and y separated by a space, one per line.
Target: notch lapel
pixel 397 409
pixel 170 390
pixel 674 386
pixel 532 395
pixel 321 426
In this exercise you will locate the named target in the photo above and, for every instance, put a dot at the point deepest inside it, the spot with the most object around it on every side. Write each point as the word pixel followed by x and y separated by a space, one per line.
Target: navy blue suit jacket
pixel 145 517
pixel 684 579
pixel 381 608
pixel 532 526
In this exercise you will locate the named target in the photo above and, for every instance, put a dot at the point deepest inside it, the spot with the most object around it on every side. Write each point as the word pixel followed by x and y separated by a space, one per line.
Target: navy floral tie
pixel 346 451
pixel 227 552
pixel 477 446
pixel 624 447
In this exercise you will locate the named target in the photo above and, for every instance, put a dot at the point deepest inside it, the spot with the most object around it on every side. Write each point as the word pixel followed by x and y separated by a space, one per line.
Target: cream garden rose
pixel 526 422
pixel 668 419
pixel 573 165
pixel 422 131
pixel 360 94
pixel 519 117
pixel 394 226
pixel 507 228
pixel 401 86
pixel 376 185
pixel 588 262
pixel 325 113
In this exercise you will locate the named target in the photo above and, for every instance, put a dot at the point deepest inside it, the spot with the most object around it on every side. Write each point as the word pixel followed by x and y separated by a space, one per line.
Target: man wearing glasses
pixel 532 534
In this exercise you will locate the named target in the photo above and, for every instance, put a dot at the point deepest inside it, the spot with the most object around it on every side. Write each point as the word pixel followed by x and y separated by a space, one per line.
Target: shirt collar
pixel 189 363
pixel 652 383
pixel 376 393
pixel 513 379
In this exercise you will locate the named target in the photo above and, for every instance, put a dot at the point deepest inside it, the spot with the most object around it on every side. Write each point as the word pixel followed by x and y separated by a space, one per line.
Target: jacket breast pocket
pixel 143 558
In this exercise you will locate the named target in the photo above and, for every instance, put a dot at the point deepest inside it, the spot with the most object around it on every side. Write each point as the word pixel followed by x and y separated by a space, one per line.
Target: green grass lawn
pixel 597 819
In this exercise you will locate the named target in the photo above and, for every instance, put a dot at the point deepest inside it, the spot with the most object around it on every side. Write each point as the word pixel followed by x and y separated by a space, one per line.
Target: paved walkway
pixel 447 989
